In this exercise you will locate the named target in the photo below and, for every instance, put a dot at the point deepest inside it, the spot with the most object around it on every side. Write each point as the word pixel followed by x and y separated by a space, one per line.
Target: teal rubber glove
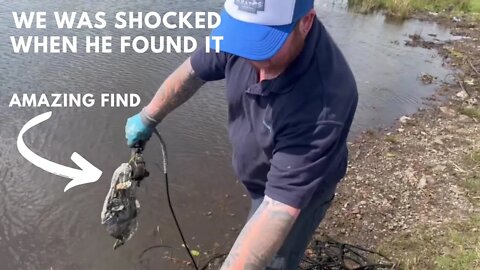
pixel 139 128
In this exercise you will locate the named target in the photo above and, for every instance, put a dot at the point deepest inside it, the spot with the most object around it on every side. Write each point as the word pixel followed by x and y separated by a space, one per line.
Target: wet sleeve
pixel 209 66
pixel 304 157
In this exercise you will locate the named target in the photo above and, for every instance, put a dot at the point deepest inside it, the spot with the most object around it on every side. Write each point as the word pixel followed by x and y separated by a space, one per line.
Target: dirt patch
pixel 417 41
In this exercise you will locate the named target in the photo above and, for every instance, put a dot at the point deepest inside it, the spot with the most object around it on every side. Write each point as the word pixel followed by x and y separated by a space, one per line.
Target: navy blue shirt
pixel 288 134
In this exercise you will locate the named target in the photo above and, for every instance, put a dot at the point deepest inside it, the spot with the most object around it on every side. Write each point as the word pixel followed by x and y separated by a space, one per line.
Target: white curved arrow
pixel 87 173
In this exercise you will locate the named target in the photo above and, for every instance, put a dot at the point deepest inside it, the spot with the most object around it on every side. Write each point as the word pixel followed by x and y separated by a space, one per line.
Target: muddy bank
pixel 423 173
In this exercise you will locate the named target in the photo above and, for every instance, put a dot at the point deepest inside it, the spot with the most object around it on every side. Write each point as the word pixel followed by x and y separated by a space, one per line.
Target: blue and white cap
pixel 257 29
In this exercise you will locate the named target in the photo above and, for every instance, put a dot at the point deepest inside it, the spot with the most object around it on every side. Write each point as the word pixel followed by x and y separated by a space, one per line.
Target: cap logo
pixel 252 6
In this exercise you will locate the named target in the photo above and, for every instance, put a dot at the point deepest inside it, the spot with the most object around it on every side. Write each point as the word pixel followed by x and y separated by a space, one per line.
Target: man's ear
pixel 306 22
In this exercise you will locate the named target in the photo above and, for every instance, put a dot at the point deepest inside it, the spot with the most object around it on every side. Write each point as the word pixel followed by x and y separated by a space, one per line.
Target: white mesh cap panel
pixel 267 12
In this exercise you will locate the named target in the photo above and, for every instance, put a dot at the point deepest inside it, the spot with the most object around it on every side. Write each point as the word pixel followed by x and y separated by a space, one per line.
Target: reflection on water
pixel 42 227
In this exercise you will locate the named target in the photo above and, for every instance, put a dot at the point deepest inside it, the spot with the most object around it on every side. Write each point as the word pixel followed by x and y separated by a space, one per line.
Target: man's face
pixel 289 51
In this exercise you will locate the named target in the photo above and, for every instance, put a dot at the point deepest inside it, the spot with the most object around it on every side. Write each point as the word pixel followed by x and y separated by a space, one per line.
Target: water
pixel 41 227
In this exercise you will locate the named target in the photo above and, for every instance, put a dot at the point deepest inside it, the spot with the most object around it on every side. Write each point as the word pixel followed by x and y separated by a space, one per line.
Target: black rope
pixel 164 153
pixel 333 255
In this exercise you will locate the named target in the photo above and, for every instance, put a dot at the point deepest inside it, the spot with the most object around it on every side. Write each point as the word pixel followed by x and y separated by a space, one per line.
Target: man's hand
pixel 262 236
pixel 138 129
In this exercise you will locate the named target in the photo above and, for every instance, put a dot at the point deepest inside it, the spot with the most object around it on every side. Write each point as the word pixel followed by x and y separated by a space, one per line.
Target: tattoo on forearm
pixel 262 236
pixel 177 88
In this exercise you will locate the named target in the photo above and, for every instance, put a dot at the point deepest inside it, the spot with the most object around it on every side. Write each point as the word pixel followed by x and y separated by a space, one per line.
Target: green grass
pixel 441 5
pixel 392 139
pixel 453 246
pixel 476 157
pixel 463 248
pixel 470 112
pixel 475 6
pixel 402 8
pixel 472 184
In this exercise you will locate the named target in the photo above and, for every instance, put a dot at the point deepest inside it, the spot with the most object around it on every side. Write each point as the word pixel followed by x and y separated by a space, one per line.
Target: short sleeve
pixel 209 66
pixel 305 157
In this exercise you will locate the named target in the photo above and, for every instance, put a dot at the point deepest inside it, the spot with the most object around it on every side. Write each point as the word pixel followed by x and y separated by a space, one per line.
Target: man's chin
pixel 266 64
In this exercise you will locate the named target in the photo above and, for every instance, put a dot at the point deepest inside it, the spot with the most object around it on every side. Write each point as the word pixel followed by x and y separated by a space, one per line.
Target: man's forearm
pixel 175 90
pixel 262 236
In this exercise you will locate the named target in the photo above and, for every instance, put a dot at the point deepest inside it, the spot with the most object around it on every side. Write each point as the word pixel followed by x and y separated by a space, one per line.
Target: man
pixel 291 101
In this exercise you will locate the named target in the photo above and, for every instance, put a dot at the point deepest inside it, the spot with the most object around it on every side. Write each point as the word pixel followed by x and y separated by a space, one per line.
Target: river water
pixel 42 227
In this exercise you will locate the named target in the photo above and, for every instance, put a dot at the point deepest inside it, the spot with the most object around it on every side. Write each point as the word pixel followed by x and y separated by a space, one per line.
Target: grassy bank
pixel 452 246
pixel 402 8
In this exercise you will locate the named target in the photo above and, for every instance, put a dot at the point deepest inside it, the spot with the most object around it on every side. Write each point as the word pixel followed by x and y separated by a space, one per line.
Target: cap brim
pixel 248 40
